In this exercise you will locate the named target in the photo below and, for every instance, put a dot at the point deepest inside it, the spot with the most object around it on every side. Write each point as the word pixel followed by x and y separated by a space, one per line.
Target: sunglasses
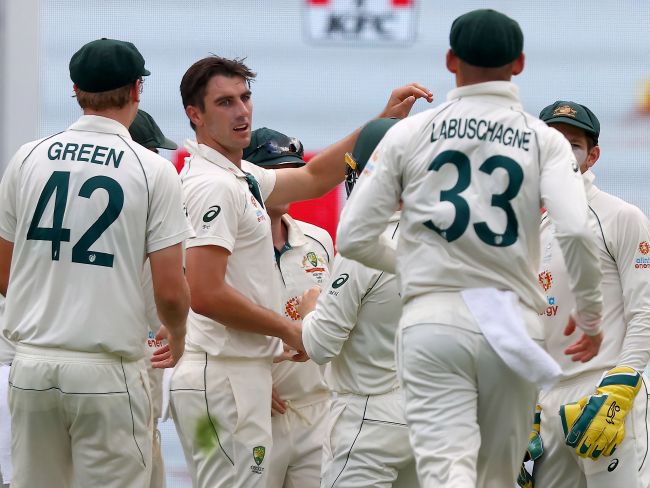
pixel 287 147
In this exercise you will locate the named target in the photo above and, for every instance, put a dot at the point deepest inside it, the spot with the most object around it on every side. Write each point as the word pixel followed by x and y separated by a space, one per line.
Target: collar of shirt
pixel 97 123
pixel 214 157
pixel 591 190
pixel 504 93
pixel 295 236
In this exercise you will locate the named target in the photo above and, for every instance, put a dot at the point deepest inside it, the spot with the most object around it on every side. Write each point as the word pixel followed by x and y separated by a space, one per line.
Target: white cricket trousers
pixel 469 414
pixel 222 411
pixel 79 420
pixel 561 467
pixel 367 443
pixel 298 443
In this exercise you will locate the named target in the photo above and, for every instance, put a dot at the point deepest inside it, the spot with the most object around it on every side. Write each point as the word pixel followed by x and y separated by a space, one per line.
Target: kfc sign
pixel 376 22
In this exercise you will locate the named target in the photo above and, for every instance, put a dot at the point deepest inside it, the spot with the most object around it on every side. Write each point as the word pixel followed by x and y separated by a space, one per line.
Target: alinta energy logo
pixel 366 22
pixel 643 262
pixel 545 279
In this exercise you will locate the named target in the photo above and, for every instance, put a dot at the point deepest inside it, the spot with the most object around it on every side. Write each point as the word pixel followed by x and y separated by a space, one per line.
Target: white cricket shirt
pixel 303 263
pixel 622 234
pixel 84 208
pixel 354 324
pixel 225 213
pixel 7 349
pixel 472 174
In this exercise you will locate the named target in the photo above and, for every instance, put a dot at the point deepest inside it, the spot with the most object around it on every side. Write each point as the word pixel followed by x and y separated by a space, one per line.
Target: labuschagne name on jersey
pixel 86 153
pixel 483 130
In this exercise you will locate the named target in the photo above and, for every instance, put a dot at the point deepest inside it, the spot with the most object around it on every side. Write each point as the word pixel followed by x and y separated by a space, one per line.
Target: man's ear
pixel 195 115
pixel 518 64
pixel 452 61
pixel 592 157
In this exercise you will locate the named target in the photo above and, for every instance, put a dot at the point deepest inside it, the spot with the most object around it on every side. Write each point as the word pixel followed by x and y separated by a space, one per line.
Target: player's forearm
pixel 224 304
pixel 173 309
pixel 635 352
pixel 323 339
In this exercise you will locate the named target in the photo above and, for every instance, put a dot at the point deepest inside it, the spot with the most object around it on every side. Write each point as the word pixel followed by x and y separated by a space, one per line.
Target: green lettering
pixel 98 153
pixel 433 132
pixel 443 130
pixel 70 148
pixel 54 152
pixel 481 136
pixel 471 128
pixel 525 141
pixel 498 134
pixel 452 128
pixel 116 160
pixel 85 150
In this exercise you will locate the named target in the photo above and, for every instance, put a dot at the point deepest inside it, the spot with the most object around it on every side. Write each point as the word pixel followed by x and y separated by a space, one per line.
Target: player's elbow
pixel 346 245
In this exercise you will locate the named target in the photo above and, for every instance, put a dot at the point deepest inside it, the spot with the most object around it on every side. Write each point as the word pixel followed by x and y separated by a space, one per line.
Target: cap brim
pixel 168 144
pixel 570 121
pixel 281 161
pixel 146 72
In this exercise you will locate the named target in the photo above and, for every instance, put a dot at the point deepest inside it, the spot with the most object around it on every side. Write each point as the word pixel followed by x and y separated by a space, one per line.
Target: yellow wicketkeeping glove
pixel 595 425
pixel 534 450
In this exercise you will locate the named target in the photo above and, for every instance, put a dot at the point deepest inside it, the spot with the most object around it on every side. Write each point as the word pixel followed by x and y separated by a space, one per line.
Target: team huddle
pixel 458 336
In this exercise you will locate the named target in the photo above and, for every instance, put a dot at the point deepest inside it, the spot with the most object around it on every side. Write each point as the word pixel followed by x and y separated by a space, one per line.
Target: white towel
pixel 506 332
pixel 5 427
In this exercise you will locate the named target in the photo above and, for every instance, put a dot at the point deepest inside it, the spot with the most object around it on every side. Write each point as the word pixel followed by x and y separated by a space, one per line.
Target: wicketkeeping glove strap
pixel 535 447
pixel 595 425
pixel 534 450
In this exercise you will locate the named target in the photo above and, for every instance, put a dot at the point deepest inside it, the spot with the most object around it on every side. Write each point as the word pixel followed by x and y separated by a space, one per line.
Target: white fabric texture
pixel 507 334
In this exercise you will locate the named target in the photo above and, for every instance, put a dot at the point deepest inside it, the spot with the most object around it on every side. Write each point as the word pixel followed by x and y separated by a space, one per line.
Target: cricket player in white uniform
pixel 80 212
pixel 7 351
pixel 472 175
pixel 221 389
pixel 622 234
pixel 353 328
pixel 301 398
pixel 146 132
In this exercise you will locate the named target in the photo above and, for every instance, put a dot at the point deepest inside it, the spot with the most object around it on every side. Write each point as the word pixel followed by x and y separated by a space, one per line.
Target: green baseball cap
pixel 371 134
pixel 571 113
pixel 269 147
pixel 146 132
pixel 486 38
pixel 106 64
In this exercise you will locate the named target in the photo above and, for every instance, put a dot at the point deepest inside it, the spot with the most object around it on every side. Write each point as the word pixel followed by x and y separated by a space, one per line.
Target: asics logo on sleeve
pixel 212 213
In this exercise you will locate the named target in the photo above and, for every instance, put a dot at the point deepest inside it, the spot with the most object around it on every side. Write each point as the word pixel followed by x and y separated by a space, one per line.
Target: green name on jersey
pixel 483 130
pixel 87 153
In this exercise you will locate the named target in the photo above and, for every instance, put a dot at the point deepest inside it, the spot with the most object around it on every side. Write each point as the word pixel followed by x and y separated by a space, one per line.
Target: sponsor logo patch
pixel 546 280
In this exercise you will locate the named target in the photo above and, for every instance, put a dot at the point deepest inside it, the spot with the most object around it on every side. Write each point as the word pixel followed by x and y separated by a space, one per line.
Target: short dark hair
pixel 196 78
